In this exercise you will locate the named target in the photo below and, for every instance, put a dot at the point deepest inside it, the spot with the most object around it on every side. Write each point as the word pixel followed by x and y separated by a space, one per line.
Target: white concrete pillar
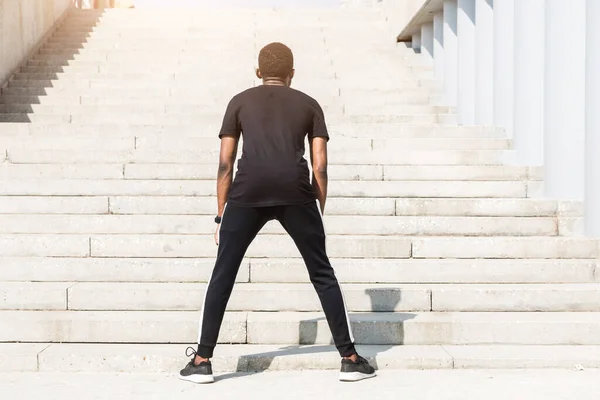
pixel 438 46
pixel 484 62
pixel 450 53
pixel 416 42
pixel 504 11
pixel 466 62
pixel 592 138
pixel 564 122
pixel 427 41
pixel 528 112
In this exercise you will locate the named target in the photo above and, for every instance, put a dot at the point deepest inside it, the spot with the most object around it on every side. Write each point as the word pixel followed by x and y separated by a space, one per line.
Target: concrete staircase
pixel 107 199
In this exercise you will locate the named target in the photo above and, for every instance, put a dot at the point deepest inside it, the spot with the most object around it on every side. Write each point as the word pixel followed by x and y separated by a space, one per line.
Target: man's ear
pixel 258 74
pixel 292 74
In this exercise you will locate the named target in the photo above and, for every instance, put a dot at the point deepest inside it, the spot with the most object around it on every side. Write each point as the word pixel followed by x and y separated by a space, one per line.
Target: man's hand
pixel 229 146
pixel 217 234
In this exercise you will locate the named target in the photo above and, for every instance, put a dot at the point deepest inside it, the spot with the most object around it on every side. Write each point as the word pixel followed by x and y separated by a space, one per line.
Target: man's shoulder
pixel 305 96
pixel 241 95
pixel 298 95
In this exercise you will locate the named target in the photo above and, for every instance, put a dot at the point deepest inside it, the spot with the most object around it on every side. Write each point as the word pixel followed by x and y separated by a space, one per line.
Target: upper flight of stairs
pixel 107 200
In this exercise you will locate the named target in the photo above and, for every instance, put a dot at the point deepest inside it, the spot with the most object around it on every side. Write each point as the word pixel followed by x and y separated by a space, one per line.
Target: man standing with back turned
pixel 273 182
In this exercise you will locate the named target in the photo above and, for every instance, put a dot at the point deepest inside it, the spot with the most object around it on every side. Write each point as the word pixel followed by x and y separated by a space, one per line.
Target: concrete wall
pixel 23 23
pixel 398 12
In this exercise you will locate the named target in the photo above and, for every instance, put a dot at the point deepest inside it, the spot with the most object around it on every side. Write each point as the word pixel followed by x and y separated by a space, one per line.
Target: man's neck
pixel 274 82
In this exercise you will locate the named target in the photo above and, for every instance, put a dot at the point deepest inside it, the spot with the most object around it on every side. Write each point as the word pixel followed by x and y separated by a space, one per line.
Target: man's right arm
pixel 318 155
pixel 229 145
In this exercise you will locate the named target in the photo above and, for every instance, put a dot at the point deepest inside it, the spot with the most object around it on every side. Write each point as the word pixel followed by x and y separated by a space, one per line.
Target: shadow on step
pixel 374 328
pixel 31 84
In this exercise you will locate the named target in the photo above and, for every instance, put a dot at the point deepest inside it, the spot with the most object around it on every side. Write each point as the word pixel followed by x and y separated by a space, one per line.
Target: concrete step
pixel 137 84
pixel 196 39
pixel 334 86
pixel 453 172
pixel 306 67
pixel 102 42
pixel 279 297
pixel 350 143
pixel 247 57
pixel 58 92
pixel 174 63
pixel 335 206
pixel 161 358
pixel 336 172
pixel 167 144
pixel 498 271
pixel 324 94
pixel 201 119
pixel 336 128
pixel 488 207
pixel 74 143
pixel 156 171
pixel 364 246
pixel 40 99
pixel 208 172
pixel 391 108
pixel 306 47
pixel 461 328
pixel 158 108
pixel 72 42
pixel 378 31
pixel 60 97
pixel 335 225
pixel 305 71
pixel 196 205
pixel 176 42
pixel 31 67
pixel 504 247
pixel 10 172
pixel 345 246
pixel 158 205
pixel 156 76
pixel 19 155
pixel 192 246
pixel 58 205
pixel 293 270
pixel 148 31
pixel 377 103
pixel 32 118
pixel 356 189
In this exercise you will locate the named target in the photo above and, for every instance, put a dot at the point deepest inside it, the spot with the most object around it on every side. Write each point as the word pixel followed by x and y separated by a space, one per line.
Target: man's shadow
pixel 381 329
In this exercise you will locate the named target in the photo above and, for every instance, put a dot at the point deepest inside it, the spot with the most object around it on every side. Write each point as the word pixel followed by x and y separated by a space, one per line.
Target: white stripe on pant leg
pixel 347 316
pixel 208 284
pixel 202 309
pixel 323 221
pixel 341 291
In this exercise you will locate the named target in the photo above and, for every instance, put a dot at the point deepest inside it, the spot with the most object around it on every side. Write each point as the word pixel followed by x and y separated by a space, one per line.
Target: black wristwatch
pixel 218 220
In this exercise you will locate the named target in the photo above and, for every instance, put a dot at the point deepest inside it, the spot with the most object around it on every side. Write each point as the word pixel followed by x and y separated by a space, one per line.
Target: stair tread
pixel 146 358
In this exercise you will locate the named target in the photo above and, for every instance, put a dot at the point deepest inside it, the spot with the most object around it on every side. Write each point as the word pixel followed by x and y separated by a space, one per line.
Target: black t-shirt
pixel 274 122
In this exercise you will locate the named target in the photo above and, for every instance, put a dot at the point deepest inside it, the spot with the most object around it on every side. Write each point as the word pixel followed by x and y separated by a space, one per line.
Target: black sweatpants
pixel 239 227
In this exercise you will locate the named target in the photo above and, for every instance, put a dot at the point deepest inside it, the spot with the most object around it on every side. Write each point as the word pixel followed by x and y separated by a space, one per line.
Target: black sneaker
pixel 201 373
pixel 356 371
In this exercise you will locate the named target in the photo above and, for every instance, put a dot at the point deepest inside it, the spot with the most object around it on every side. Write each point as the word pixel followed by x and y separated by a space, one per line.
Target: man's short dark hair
pixel 276 60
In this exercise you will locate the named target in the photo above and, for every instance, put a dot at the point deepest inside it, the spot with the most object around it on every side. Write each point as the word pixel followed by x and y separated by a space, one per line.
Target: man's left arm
pixel 229 145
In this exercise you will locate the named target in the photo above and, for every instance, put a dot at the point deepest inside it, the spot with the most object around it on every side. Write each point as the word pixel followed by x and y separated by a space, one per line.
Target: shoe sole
pixel 355 376
pixel 200 379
